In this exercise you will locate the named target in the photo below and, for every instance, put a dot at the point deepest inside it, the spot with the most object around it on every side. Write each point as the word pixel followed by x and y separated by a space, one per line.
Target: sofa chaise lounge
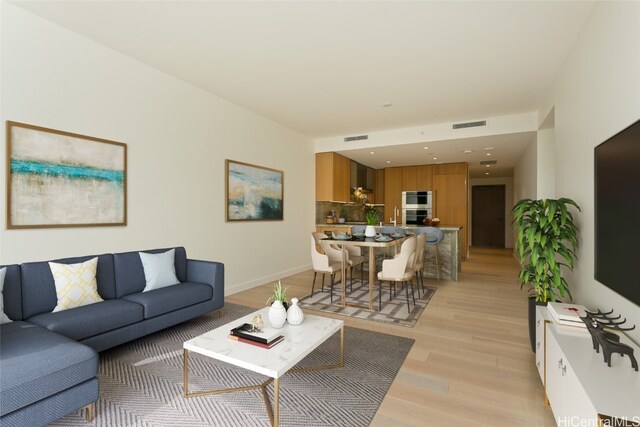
pixel 49 360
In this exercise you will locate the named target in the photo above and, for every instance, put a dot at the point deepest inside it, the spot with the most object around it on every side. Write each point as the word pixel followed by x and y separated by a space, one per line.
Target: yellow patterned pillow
pixel 76 284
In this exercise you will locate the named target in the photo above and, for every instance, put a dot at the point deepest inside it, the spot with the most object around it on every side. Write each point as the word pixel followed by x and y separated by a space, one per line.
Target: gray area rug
pixel 393 311
pixel 141 382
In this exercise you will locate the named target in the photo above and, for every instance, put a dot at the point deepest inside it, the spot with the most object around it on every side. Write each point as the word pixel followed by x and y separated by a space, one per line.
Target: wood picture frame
pixel 253 193
pixel 63 179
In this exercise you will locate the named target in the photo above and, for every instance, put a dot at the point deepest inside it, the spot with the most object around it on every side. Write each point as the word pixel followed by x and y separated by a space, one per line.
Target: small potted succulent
pixel 343 215
pixel 278 309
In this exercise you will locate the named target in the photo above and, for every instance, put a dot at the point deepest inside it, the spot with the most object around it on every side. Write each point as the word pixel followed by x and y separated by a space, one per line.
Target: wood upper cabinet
pixel 333 174
pixel 378 186
pixel 392 192
pixel 417 178
pixel 410 178
pixel 451 199
pixel 424 177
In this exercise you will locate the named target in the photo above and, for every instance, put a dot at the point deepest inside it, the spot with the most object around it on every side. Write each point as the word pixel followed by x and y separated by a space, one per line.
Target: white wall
pixel 508 205
pixel 178 138
pixel 546 163
pixel 525 173
pixel 596 95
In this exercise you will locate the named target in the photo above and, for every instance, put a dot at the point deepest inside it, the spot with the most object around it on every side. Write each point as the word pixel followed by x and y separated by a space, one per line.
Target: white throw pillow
pixel 3 317
pixel 76 284
pixel 159 269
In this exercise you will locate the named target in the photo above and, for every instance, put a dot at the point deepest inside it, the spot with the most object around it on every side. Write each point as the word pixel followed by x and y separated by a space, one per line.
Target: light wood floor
pixel 471 363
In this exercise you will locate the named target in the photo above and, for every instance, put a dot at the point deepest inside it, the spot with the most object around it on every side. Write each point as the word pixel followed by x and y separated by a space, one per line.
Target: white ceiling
pixel 325 68
pixel 505 150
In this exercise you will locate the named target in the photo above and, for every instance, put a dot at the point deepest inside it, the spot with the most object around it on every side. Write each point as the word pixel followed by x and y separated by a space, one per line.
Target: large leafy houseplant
pixel 547 241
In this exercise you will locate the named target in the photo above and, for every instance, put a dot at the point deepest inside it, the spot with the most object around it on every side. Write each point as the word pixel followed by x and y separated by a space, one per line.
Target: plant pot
pixel 370 231
pixel 341 220
pixel 277 315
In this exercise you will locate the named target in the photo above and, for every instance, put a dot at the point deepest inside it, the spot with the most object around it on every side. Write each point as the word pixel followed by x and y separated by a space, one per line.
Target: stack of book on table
pixel 567 314
pixel 266 338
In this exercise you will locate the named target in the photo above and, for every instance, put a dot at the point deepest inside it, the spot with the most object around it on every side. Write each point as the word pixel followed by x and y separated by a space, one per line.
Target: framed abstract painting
pixel 254 193
pixel 62 179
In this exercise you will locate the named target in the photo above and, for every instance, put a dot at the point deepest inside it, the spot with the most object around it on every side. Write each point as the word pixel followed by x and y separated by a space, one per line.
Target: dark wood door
pixel 487 215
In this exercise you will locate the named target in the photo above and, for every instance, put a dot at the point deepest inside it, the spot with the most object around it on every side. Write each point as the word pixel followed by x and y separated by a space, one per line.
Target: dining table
pixel 366 242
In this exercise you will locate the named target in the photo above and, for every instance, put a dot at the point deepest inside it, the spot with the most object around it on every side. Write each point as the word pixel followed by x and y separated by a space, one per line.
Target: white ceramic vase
pixel 277 314
pixel 370 231
pixel 295 316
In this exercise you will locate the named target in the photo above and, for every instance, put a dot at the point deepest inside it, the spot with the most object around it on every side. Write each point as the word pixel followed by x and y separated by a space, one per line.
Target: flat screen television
pixel 617 213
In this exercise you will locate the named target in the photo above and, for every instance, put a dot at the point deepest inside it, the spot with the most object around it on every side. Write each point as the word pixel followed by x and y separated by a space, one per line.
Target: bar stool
pixel 434 237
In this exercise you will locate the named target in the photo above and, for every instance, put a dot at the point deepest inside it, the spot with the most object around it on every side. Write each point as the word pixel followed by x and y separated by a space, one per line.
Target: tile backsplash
pixel 354 212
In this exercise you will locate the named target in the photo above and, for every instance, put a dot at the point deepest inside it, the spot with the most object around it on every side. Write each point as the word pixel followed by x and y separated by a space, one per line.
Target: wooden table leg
pixel 372 274
pixel 344 281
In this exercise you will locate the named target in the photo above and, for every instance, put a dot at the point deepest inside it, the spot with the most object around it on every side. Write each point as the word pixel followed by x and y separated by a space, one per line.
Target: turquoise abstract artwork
pixel 253 192
pixel 61 179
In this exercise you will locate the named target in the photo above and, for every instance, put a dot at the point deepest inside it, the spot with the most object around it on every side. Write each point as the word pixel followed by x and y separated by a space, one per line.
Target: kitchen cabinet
pixel 378 186
pixel 410 178
pixel 424 178
pixel 392 193
pixel 450 198
pixel 333 175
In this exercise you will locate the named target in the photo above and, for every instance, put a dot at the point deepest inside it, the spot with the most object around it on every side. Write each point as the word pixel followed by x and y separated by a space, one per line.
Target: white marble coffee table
pixel 299 341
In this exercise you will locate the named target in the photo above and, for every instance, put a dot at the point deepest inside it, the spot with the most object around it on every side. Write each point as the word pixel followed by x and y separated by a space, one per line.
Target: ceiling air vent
pixel 355 138
pixel 469 124
pixel 488 162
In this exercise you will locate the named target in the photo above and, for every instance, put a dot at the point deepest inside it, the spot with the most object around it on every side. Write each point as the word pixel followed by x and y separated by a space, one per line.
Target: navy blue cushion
pixel 12 292
pixel 37 363
pixel 129 272
pixel 39 289
pixel 90 320
pixel 171 298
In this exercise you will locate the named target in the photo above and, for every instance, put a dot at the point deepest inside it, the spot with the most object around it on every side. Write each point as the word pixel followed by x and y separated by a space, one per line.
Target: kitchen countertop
pixel 407 227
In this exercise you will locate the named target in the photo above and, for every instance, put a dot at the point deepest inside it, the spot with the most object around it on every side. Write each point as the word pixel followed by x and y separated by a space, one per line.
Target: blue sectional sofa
pixel 49 361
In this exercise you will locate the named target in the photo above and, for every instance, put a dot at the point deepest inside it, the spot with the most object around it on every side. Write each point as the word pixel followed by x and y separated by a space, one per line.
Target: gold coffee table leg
pixel 274 413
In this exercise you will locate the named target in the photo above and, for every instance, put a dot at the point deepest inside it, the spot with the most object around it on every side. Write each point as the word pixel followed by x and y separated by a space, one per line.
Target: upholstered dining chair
pixel 335 255
pixel 399 270
pixel 418 262
pixel 434 237
pixel 317 236
pixel 322 264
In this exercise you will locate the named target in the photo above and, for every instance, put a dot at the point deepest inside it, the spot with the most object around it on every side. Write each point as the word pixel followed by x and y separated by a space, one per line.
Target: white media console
pixel 581 389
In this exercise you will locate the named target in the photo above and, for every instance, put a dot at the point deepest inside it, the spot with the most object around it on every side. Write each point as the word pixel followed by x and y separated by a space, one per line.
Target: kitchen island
pixel 449 249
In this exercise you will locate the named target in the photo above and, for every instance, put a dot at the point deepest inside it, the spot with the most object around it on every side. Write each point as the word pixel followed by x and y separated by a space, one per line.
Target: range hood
pixel 361 177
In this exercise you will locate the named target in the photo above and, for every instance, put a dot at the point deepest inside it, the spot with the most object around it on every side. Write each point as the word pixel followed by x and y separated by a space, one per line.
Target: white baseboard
pixel 234 289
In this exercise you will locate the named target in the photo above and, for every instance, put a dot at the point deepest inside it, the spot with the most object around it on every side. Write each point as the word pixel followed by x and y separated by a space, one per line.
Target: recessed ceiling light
pixel 468 151
pixel 486 173
pixel 388 161
pixel 386 105
pixel 372 152
pixel 489 148
pixel 426 148
pixel 488 154
pixel 435 158
pixel 488 166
